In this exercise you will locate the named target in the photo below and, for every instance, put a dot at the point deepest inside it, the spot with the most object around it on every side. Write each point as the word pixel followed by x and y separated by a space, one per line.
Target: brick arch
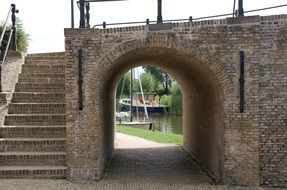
pixel 172 43
pixel 122 56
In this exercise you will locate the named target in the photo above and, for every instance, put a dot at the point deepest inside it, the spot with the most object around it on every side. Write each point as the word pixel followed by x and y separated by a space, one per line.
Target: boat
pixel 139 103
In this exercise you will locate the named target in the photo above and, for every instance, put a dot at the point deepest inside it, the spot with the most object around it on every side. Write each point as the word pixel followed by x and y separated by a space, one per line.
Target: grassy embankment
pixel 156 136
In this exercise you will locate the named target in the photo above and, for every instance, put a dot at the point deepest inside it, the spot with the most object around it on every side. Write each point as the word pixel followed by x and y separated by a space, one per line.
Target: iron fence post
pixel 82 14
pixel 14 37
pixel 240 11
pixel 72 14
pixel 159 12
pixel 88 15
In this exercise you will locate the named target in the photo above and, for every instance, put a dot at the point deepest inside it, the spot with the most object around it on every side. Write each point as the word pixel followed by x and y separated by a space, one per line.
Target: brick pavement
pixel 165 165
pixel 158 168
pixel 48 184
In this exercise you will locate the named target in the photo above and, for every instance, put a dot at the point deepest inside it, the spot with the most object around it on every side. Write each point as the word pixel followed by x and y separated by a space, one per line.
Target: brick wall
pixel 273 101
pixel 204 58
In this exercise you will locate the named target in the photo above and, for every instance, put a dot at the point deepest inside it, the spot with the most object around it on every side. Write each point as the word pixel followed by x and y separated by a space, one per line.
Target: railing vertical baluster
pixel 72 14
pixel 14 36
pixel 159 11
pixel 147 21
pixel 82 14
pixel 240 8
pixel 190 19
pixel 88 15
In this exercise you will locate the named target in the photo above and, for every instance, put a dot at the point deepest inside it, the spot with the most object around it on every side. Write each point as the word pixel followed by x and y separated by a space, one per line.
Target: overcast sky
pixel 45 20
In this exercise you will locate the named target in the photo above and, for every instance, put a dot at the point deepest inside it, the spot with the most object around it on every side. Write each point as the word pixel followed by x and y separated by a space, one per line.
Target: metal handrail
pixel 4 57
pixel 190 19
pixel 5 25
pixel 7 48
pixel 13 10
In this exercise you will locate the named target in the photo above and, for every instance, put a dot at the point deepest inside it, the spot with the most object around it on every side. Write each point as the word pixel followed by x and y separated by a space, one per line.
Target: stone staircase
pixel 32 140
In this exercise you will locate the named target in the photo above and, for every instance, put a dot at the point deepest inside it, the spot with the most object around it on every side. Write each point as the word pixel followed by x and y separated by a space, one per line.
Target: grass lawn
pixel 151 135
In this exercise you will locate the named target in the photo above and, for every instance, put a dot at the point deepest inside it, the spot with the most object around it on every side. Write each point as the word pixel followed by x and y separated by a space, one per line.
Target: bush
pixel 165 100
pixel 22 37
pixel 176 99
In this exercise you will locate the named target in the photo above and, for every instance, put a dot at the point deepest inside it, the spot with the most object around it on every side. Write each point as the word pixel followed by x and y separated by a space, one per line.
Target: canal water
pixel 166 123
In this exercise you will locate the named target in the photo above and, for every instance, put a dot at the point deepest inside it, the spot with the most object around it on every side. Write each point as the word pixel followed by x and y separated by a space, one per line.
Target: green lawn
pixel 151 135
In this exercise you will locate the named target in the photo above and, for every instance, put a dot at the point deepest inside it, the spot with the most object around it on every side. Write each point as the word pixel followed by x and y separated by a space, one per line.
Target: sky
pixel 45 20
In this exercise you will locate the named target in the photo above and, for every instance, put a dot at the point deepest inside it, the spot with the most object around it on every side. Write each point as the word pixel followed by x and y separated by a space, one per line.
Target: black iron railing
pixel 12 39
pixel 190 19
pixel 85 15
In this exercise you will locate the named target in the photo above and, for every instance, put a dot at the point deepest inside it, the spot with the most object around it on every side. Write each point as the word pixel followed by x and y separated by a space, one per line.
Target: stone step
pixel 46 56
pixel 41 78
pixel 41 75
pixel 44 66
pixel 40 97
pixel 35 144
pixel 23 131
pixel 45 62
pixel 32 158
pixel 43 70
pixel 40 87
pixel 36 108
pixel 33 172
pixel 35 119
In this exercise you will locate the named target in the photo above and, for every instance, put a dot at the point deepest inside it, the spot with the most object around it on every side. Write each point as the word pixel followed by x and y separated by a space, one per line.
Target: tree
pixel 162 78
pixel 149 83
pixel 123 88
pixel 176 99
pixel 22 37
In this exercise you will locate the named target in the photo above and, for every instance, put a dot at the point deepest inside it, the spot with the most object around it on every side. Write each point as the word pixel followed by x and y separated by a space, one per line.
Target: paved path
pixel 139 160
pixel 137 164
pixel 66 185
pixel 123 141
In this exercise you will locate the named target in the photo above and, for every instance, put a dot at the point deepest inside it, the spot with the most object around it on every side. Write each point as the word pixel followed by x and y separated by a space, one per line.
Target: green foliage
pixel 124 86
pixel 151 135
pixel 162 78
pixel 165 100
pixel 149 83
pixel 22 37
pixel 176 99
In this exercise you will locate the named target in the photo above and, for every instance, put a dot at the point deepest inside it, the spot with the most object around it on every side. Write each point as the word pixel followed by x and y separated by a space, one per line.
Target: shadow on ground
pixel 165 165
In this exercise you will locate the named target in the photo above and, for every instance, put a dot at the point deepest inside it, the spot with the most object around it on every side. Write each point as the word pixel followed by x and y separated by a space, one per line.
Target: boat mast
pixel 131 94
pixel 140 83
